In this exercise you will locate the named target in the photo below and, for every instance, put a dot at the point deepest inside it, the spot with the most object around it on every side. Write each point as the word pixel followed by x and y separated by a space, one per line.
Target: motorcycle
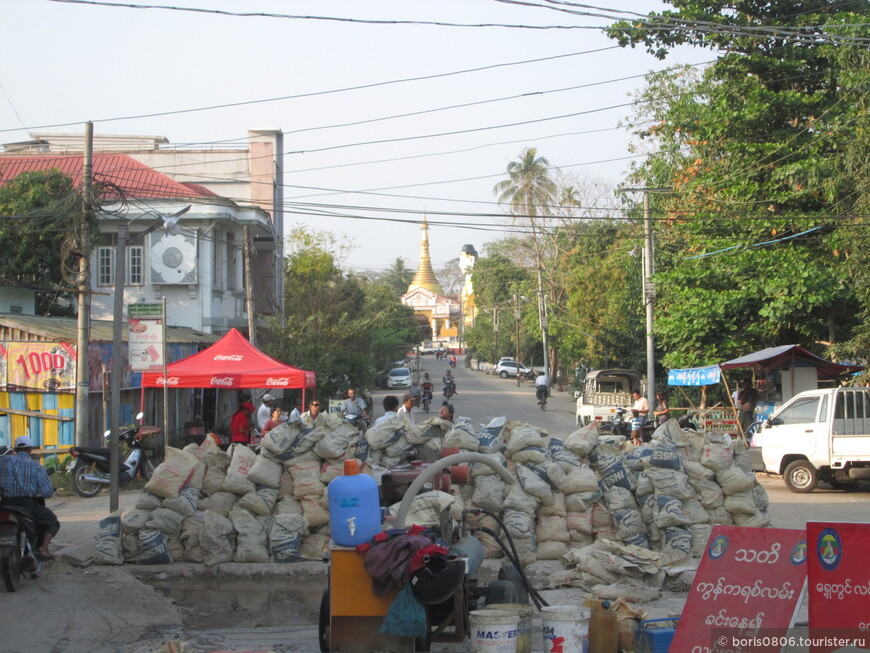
pixel 426 400
pixel 18 545
pixel 542 392
pixel 90 465
pixel 448 390
pixel 619 425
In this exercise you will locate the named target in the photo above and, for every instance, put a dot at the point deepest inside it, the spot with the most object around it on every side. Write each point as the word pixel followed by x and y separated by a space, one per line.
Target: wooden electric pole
pixel 84 294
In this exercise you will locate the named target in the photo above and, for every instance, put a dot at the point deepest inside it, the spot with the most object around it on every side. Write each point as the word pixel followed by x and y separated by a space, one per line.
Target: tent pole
pixel 734 408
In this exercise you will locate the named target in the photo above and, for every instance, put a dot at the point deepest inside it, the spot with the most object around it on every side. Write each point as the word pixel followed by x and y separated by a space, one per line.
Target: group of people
pixel 248 423
pixel 640 412
pixel 392 408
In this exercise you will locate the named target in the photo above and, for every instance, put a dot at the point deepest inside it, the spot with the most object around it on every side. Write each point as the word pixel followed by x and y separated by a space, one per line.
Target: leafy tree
pixel 339 325
pixel 38 209
pixel 397 277
pixel 752 150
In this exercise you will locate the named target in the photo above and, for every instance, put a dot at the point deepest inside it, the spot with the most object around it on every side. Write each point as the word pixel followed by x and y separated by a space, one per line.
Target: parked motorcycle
pixel 18 545
pixel 619 425
pixel 90 465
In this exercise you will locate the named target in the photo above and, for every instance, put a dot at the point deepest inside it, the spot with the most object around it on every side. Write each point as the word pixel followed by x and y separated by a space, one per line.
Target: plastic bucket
pixel 565 628
pixel 525 612
pixel 494 631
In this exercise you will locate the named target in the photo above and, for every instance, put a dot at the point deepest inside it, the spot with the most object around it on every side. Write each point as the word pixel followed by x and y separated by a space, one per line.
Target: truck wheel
pixel 800 477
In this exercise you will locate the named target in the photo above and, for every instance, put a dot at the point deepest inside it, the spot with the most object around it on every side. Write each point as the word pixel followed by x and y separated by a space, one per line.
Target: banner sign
pixel 145 344
pixel 152 310
pixel 709 375
pixel 748 579
pixel 43 366
pixel 839 580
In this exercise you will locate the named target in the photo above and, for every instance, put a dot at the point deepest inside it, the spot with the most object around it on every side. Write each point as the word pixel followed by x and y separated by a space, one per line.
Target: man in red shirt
pixel 240 424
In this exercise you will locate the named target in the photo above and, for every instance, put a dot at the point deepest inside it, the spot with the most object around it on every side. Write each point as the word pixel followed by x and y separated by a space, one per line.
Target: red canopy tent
pixel 230 363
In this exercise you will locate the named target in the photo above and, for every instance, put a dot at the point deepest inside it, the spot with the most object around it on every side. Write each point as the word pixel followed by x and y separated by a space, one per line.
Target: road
pixel 240 607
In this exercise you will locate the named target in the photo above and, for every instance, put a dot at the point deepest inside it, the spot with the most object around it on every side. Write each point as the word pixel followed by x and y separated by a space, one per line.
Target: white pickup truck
pixel 603 392
pixel 818 435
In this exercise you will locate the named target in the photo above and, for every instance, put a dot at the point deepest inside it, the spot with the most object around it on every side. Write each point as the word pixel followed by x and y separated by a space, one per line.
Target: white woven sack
pixel 172 474
pixel 266 471
pixel 241 462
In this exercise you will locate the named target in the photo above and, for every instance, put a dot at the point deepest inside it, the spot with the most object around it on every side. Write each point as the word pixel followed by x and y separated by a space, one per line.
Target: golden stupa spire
pixel 425 277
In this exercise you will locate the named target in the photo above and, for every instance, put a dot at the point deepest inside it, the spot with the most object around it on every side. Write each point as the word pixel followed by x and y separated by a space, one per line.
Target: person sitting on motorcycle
pixel 25 483
pixel 449 380
pixel 542 387
pixel 452 360
pixel 427 386
pixel 355 405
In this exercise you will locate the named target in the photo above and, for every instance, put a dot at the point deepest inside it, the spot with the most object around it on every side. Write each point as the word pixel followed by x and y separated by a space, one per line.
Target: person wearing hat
pixel 240 424
pixel 264 412
pixel 25 483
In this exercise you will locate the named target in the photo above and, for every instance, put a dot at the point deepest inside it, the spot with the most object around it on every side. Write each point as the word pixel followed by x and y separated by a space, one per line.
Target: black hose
pixel 537 599
pixel 515 558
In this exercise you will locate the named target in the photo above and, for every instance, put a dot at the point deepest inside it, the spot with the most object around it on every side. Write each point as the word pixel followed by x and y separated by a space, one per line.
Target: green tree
pixel 37 209
pixel 397 277
pixel 752 150
pixel 341 326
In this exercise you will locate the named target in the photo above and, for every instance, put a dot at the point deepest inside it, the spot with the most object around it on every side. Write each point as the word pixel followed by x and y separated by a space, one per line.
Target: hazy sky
pixel 360 162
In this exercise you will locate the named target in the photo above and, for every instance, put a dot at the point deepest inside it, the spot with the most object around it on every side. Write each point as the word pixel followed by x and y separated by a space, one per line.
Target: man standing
pixel 264 412
pixel 746 400
pixel 641 405
pixel 240 424
pixel 296 413
pixel 24 483
pixel 407 408
pixel 310 416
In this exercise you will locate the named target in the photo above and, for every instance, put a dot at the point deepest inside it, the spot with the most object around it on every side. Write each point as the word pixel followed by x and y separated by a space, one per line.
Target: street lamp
pixel 169 223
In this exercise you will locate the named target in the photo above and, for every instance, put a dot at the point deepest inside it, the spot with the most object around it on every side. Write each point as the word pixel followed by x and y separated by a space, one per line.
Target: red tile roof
pixel 136 180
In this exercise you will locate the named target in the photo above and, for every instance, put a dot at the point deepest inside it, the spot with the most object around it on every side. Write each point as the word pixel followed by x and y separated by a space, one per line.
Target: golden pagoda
pixel 425 277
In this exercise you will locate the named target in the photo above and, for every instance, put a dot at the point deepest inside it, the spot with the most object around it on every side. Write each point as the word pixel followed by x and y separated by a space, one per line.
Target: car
pixel 510 368
pixel 506 358
pixel 399 377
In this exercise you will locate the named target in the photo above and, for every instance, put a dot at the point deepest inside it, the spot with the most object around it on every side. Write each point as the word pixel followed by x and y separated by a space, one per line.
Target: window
pixel 802 411
pixel 135 265
pixel 105 266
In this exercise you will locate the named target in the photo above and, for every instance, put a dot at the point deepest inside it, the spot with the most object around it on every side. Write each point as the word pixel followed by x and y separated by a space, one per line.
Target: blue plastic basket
pixel 655 635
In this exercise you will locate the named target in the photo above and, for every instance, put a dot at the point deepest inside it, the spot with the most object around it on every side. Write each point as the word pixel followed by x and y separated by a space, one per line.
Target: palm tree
pixel 529 190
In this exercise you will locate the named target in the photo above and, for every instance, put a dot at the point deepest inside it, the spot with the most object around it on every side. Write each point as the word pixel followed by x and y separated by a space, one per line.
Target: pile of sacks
pixel 621 517
pixel 618 516
pixel 212 506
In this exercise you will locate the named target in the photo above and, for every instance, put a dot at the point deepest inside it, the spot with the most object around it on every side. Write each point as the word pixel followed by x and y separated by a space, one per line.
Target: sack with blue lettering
pixel 604 455
pixel 670 482
pixel 635 458
pixel 643 484
pixel 432 428
pixel 617 475
pixel 664 456
pixel 490 439
pixel 285 537
pixel 153 549
pixel 185 503
pixel 559 453
pixel 519 524
pixel 618 498
pixel 533 483
pixel 676 544
pixel 462 435
pixel 108 549
pixel 628 522
pixel 669 512
pixel 363 449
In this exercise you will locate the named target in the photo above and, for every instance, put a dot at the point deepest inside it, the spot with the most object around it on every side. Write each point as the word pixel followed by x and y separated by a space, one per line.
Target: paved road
pixel 110 609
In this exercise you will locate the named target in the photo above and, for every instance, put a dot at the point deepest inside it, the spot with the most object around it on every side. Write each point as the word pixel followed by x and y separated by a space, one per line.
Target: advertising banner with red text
pixel 43 366
pixel 748 579
pixel 839 585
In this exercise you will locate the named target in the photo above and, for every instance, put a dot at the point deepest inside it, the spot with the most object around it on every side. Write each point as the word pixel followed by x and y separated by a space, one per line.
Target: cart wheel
pixel 323 628
pixel 509 573
pixel 500 591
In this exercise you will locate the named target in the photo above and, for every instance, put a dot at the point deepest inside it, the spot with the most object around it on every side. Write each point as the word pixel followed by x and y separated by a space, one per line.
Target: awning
pixel 778 356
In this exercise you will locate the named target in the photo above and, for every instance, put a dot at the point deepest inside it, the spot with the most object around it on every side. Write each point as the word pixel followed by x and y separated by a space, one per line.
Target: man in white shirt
pixel 641 405
pixel 542 387
pixel 296 413
pixel 355 405
pixel 407 408
pixel 264 412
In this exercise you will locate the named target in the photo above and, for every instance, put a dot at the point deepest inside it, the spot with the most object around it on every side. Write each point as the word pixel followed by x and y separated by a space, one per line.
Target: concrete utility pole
pixel 517 327
pixel 249 288
pixel 83 337
pixel 649 290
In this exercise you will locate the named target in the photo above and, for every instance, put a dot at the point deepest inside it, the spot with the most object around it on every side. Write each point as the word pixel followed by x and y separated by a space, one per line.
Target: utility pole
pixel 115 379
pixel 517 327
pixel 649 290
pixel 84 295
pixel 249 288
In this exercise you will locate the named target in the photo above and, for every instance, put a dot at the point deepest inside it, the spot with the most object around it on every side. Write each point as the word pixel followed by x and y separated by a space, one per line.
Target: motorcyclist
pixel 427 386
pixel 542 387
pixel 449 380
pixel 25 483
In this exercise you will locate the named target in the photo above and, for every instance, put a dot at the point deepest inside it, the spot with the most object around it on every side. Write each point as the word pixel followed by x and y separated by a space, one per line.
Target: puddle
pixel 214 603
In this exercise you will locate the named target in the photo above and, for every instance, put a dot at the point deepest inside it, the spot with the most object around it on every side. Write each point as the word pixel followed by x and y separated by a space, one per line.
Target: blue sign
pixel 695 376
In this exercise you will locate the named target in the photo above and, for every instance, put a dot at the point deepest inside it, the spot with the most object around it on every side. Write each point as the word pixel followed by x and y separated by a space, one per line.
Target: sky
pixel 384 119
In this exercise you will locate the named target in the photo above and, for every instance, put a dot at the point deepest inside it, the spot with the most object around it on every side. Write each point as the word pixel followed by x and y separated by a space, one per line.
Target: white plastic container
pixel 565 628
pixel 494 631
